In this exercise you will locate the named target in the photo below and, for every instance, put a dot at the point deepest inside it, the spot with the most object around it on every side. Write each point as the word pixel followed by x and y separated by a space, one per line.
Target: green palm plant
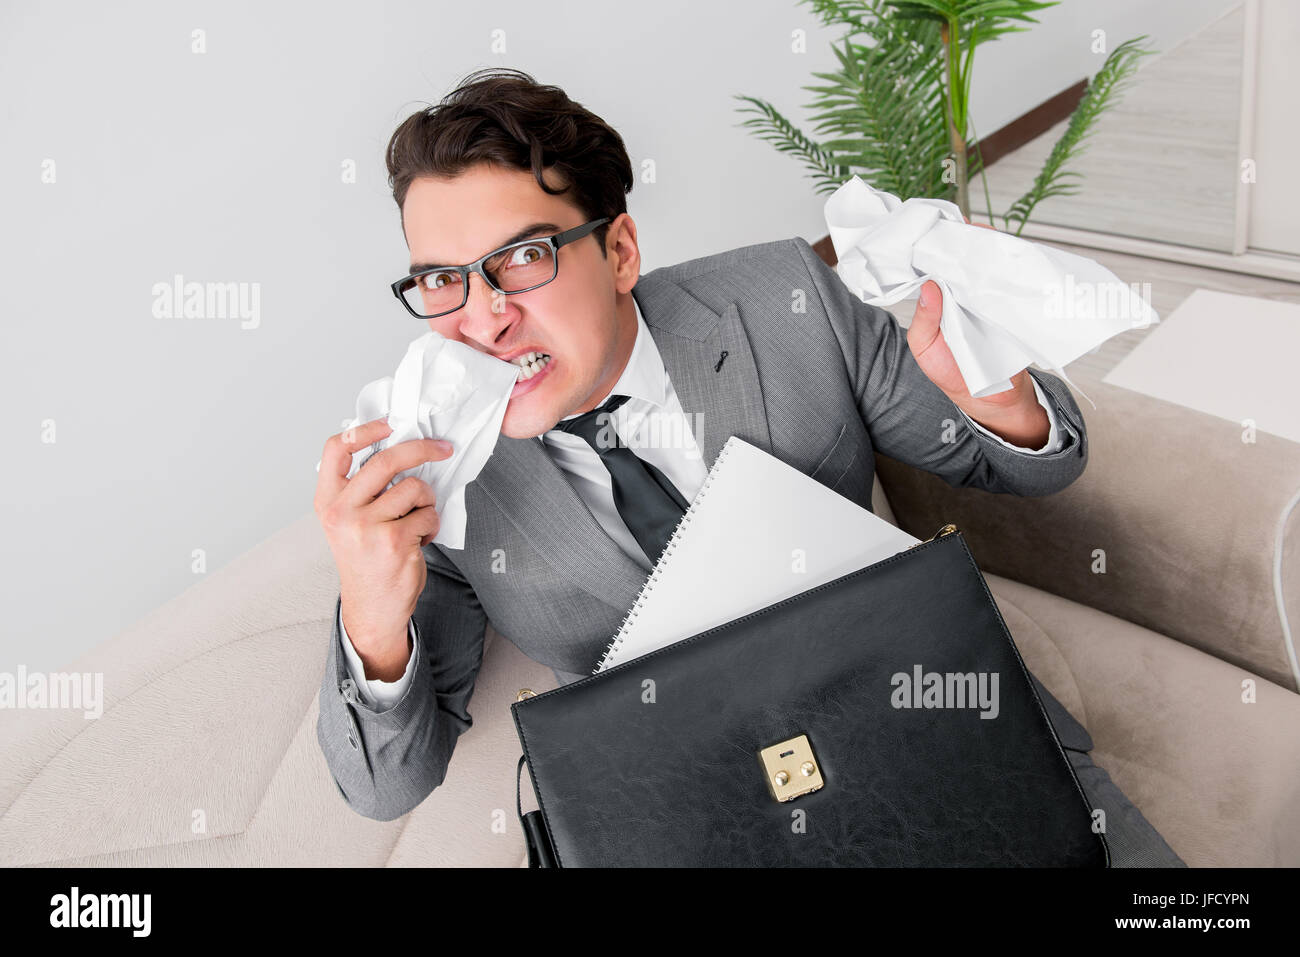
pixel 897 111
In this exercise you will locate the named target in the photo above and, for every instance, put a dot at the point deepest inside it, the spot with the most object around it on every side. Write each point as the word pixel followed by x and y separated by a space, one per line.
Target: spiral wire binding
pixel 679 533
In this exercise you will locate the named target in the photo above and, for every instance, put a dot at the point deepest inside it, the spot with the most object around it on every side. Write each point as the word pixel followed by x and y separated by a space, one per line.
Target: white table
pixel 1233 356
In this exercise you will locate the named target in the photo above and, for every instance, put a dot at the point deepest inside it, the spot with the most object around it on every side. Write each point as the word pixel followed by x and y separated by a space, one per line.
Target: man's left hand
pixel 1015 414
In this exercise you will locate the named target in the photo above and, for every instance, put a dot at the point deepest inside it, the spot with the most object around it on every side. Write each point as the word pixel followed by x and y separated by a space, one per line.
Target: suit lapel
pixel 721 394
pixel 531 491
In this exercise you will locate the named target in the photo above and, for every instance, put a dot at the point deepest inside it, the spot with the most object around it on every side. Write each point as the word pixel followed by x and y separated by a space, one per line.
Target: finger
pixel 421 525
pixel 381 467
pixel 929 304
pixel 336 459
pixel 924 329
pixel 410 493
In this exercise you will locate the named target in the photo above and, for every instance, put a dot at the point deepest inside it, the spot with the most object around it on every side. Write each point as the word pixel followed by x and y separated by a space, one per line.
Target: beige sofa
pixel 206 753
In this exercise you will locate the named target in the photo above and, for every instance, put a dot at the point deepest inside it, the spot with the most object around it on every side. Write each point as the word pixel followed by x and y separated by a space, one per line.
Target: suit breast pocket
pixel 838 459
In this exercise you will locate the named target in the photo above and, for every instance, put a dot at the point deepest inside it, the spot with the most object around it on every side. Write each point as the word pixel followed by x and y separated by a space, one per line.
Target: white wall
pixel 180 434
pixel 1274 205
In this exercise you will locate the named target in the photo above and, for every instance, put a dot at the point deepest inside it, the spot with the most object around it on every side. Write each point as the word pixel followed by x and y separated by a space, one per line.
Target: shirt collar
pixel 644 376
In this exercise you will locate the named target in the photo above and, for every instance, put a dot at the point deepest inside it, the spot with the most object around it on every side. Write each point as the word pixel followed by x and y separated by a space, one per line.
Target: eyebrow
pixel 528 232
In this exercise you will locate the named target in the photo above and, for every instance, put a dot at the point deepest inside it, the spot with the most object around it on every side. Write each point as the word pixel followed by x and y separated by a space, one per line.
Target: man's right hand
pixel 376 534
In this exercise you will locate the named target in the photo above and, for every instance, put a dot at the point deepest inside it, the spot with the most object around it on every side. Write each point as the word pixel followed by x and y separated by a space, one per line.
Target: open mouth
pixel 531 363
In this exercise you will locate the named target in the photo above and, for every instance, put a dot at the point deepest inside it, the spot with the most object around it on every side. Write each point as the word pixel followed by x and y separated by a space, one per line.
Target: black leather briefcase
pixel 881 719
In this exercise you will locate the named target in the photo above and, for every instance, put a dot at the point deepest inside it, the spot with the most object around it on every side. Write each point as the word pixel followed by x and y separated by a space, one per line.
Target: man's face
pixel 583 318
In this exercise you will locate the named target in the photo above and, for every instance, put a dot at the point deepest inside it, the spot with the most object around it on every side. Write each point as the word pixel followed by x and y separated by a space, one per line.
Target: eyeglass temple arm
pixel 577 232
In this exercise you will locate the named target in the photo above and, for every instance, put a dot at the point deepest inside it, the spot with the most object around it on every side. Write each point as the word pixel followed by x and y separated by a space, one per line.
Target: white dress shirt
pixel 654 425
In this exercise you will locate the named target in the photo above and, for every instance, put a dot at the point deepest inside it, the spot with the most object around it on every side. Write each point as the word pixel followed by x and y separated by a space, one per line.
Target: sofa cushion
pixel 1176 524
pixel 1215 775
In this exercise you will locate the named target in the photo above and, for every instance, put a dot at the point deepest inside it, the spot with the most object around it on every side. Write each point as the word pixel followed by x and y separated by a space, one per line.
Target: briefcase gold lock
pixel 791 768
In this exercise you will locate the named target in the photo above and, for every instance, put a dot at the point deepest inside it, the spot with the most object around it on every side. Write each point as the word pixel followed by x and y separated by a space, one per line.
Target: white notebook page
pixel 757 532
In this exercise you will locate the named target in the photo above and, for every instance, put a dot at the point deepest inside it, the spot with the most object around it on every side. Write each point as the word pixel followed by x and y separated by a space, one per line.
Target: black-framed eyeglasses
pixel 517 267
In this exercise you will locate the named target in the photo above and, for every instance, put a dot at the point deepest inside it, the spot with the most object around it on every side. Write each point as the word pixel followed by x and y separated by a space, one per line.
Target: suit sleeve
pixel 1054 438
pixel 910 419
pixel 378 695
pixel 386 760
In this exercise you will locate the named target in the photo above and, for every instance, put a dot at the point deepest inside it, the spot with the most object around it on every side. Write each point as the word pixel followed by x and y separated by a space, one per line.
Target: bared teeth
pixel 527 358
pixel 531 363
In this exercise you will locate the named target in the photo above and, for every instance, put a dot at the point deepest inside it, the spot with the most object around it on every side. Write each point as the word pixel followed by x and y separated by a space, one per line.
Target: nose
pixel 478 318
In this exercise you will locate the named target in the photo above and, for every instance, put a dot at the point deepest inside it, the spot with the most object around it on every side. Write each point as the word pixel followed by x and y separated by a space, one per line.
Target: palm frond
pixel 787 138
pixel 1112 79
pixel 883 113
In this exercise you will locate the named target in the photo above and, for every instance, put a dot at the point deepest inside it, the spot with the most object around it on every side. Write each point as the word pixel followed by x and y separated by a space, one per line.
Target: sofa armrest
pixel 1177 524
pixel 208 704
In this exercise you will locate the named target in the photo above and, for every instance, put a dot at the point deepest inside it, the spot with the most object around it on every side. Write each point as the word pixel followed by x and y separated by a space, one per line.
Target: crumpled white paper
pixel 1007 301
pixel 442 389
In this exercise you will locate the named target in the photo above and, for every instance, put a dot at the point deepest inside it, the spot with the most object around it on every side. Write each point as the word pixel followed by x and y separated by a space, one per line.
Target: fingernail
pixel 927 296
pixel 442 444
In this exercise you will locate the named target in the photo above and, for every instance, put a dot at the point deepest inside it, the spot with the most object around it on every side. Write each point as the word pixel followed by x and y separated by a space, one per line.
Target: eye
pixel 527 255
pixel 434 280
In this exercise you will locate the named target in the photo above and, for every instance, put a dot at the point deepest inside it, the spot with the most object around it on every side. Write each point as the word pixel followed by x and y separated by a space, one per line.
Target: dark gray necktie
pixel 647 501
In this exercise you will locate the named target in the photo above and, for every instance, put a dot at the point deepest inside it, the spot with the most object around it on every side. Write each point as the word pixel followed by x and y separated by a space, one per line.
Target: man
pixel 763 342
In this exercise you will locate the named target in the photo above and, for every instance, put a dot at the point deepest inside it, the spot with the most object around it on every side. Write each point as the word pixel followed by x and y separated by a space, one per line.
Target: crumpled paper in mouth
pixel 1007 301
pixel 442 389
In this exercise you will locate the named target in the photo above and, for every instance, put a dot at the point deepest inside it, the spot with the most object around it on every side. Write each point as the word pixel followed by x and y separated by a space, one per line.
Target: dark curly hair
pixel 506 117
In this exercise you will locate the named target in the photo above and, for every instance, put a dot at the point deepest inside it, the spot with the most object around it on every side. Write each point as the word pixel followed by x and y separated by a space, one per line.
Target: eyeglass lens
pixel 514 269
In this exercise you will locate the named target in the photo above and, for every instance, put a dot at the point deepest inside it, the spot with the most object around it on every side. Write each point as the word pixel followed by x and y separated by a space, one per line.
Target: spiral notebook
pixel 757 532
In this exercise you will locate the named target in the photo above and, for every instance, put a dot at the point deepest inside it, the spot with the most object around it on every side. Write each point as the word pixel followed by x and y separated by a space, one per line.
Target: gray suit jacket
pixel 812 375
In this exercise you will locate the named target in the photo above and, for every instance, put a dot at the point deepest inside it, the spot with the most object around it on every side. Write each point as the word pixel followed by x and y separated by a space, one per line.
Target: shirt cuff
pixel 377 694
pixel 1054 439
